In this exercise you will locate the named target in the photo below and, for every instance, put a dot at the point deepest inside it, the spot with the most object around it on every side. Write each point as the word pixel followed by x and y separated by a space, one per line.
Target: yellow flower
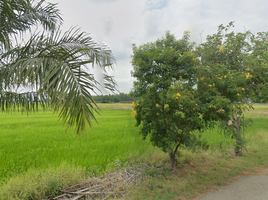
pixel 238 94
pixel 248 75
pixel 130 56
pixel 243 89
pixel 185 32
pixel 151 85
pixel 210 106
pixel 134 112
pixel 210 85
pixel 202 78
pixel 222 48
pixel 224 76
pixel 178 94
pixel 213 84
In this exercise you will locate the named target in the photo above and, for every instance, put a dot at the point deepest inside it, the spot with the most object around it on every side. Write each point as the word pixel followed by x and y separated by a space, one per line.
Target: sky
pixel 121 23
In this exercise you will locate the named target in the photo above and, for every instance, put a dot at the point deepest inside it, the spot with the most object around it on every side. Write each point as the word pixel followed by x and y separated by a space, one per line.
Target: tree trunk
pixel 173 161
pixel 237 134
pixel 238 147
pixel 172 156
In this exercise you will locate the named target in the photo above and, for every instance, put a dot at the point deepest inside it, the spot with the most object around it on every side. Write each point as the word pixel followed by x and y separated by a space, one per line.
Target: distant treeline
pixel 114 98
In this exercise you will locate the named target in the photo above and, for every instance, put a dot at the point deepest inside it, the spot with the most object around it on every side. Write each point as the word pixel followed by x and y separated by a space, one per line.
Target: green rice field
pixel 39 141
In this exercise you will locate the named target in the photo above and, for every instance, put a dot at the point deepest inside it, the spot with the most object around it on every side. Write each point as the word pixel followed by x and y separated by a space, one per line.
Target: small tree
pixel 171 108
pixel 231 63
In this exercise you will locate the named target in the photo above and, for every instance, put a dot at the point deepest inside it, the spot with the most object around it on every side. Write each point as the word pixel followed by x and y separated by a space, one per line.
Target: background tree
pixel 170 108
pixel 231 63
pixel 54 65
pixel 259 67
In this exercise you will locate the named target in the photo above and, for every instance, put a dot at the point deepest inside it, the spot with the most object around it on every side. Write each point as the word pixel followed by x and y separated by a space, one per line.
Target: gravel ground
pixel 248 188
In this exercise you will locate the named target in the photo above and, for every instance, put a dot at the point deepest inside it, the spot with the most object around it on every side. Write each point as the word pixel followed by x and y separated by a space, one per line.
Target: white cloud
pixel 119 23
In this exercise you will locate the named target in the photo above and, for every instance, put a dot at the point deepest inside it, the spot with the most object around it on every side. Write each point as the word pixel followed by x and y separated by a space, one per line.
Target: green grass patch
pixel 39 141
pixel 41 183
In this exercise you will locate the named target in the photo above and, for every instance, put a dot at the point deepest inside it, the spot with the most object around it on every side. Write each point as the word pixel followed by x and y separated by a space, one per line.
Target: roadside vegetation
pixel 39 165
pixel 201 171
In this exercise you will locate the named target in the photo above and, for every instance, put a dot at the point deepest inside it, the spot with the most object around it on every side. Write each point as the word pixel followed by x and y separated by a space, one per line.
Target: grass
pixel 205 170
pixel 39 141
pixel 37 184
pixel 36 150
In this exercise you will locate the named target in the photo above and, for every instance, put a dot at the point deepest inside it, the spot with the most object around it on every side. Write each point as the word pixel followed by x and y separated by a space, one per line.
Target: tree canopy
pixel 171 108
pixel 184 88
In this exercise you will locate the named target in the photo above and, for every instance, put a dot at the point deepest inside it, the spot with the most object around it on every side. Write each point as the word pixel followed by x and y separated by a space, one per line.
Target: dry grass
pixel 111 185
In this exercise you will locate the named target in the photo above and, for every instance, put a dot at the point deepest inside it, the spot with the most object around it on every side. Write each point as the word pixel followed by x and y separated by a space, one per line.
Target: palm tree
pixel 54 65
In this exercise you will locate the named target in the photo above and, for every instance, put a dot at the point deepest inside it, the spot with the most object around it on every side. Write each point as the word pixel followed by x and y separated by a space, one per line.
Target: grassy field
pixel 37 148
pixel 39 141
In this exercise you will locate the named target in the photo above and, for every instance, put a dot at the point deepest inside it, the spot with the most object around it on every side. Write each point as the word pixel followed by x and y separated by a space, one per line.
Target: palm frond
pixel 21 15
pixel 58 67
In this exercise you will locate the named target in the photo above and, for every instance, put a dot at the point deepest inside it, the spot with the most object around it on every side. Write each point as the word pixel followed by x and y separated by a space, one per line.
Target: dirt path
pixel 252 187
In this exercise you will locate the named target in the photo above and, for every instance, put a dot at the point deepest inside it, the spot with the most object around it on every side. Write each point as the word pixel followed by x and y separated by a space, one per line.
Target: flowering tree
pixel 171 108
pixel 235 64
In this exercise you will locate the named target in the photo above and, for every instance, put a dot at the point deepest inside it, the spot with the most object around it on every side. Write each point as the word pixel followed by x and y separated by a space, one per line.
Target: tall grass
pixel 38 141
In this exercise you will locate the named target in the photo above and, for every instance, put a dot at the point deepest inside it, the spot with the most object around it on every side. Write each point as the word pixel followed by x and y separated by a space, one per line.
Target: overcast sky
pixel 120 23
